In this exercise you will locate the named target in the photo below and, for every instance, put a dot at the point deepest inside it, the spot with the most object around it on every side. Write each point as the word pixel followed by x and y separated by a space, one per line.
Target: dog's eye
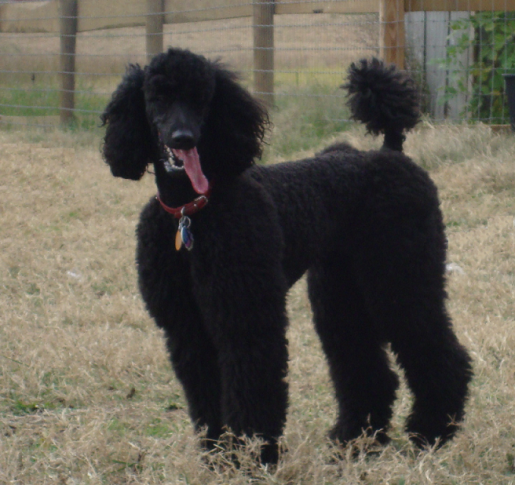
pixel 162 95
pixel 160 86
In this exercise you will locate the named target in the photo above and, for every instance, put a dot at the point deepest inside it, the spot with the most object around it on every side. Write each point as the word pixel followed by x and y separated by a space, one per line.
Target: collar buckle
pixel 187 209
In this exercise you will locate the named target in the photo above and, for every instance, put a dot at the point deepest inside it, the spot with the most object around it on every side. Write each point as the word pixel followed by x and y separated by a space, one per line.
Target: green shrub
pixel 492 36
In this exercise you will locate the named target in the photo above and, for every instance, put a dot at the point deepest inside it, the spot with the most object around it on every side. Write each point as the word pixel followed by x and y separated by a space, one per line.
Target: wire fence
pixel 61 59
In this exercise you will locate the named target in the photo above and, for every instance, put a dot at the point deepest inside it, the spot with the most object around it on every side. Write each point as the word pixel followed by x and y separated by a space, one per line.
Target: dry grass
pixel 87 393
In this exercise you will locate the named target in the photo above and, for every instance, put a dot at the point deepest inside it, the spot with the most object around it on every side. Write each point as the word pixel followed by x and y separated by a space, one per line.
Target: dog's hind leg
pixel 402 264
pixel 436 365
pixel 438 371
pixel 364 384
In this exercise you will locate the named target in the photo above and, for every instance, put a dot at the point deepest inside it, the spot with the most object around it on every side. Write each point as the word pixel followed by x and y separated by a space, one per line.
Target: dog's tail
pixel 384 99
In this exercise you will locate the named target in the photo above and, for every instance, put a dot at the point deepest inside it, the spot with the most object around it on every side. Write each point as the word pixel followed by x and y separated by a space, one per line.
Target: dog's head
pixel 187 113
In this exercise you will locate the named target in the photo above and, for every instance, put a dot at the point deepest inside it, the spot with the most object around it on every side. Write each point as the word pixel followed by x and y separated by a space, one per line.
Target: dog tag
pixel 184 235
pixel 178 240
pixel 187 238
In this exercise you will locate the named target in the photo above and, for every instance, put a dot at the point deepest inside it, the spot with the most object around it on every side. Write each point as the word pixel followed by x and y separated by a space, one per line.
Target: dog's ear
pixel 235 126
pixel 128 142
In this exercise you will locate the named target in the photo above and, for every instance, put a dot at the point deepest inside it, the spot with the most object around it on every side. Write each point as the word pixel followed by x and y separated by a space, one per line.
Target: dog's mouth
pixel 173 163
pixel 187 161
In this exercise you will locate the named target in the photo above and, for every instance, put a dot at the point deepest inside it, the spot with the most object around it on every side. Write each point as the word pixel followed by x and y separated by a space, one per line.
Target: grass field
pixel 312 53
pixel 87 395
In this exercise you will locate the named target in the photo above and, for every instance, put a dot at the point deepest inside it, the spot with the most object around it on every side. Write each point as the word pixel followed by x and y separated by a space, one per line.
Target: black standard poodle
pixel 224 239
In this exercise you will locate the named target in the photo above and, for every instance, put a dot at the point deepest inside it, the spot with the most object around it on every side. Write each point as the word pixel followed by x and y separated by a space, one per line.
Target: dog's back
pixel 316 196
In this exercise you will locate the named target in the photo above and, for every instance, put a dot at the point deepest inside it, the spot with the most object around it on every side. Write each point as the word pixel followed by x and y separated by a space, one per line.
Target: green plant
pixel 491 35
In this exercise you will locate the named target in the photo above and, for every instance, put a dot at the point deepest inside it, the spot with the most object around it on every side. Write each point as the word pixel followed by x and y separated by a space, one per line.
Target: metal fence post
pixel 393 36
pixel 68 38
pixel 263 22
pixel 154 28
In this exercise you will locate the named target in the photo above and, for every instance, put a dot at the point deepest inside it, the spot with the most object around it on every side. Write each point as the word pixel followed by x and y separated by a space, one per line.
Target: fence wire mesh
pixel 458 58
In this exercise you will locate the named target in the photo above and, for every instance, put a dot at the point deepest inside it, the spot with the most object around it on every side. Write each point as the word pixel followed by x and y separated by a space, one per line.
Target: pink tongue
pixel 193 170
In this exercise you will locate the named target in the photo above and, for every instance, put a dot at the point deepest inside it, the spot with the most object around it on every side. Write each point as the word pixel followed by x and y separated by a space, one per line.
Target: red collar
pixel 187 209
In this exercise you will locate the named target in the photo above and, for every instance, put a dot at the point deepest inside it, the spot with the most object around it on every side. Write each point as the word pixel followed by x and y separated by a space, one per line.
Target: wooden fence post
pixel 68 31
pixel 393 37
pixel 154 28
pixel 263 22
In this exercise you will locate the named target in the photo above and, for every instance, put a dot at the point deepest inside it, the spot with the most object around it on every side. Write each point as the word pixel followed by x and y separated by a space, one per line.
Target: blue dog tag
pixel 184 233
pixel 187 238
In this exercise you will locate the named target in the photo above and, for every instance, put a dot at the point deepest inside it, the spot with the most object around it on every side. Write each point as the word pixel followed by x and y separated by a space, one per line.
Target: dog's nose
pixel 183 140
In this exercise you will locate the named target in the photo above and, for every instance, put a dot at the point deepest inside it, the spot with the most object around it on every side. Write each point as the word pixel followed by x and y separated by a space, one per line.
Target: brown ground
pixel 86 392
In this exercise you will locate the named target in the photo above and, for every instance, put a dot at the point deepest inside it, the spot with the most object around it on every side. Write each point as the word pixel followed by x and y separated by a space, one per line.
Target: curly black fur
pixel 128 146
pixel 384 99
pixel 365 226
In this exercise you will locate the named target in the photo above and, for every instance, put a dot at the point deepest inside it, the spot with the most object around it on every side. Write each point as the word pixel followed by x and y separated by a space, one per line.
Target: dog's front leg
pixel 165 285
pixel 244 310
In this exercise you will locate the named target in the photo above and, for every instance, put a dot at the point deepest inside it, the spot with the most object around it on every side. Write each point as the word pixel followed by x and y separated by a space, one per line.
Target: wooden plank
pixel 437 31
pixel 392 32
pixel 68 40
pixel 344 7
pixel 415 41
pixel 29 17
pixel 458 5
pixel 427 41
pixel 154 28
pixel 181 11
pixel 416 54
pixel 102 14
pixel 263 29
pixel 457 104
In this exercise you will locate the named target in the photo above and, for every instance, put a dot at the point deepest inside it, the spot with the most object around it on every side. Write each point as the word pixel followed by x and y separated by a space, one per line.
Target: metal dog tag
pixel 184 235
